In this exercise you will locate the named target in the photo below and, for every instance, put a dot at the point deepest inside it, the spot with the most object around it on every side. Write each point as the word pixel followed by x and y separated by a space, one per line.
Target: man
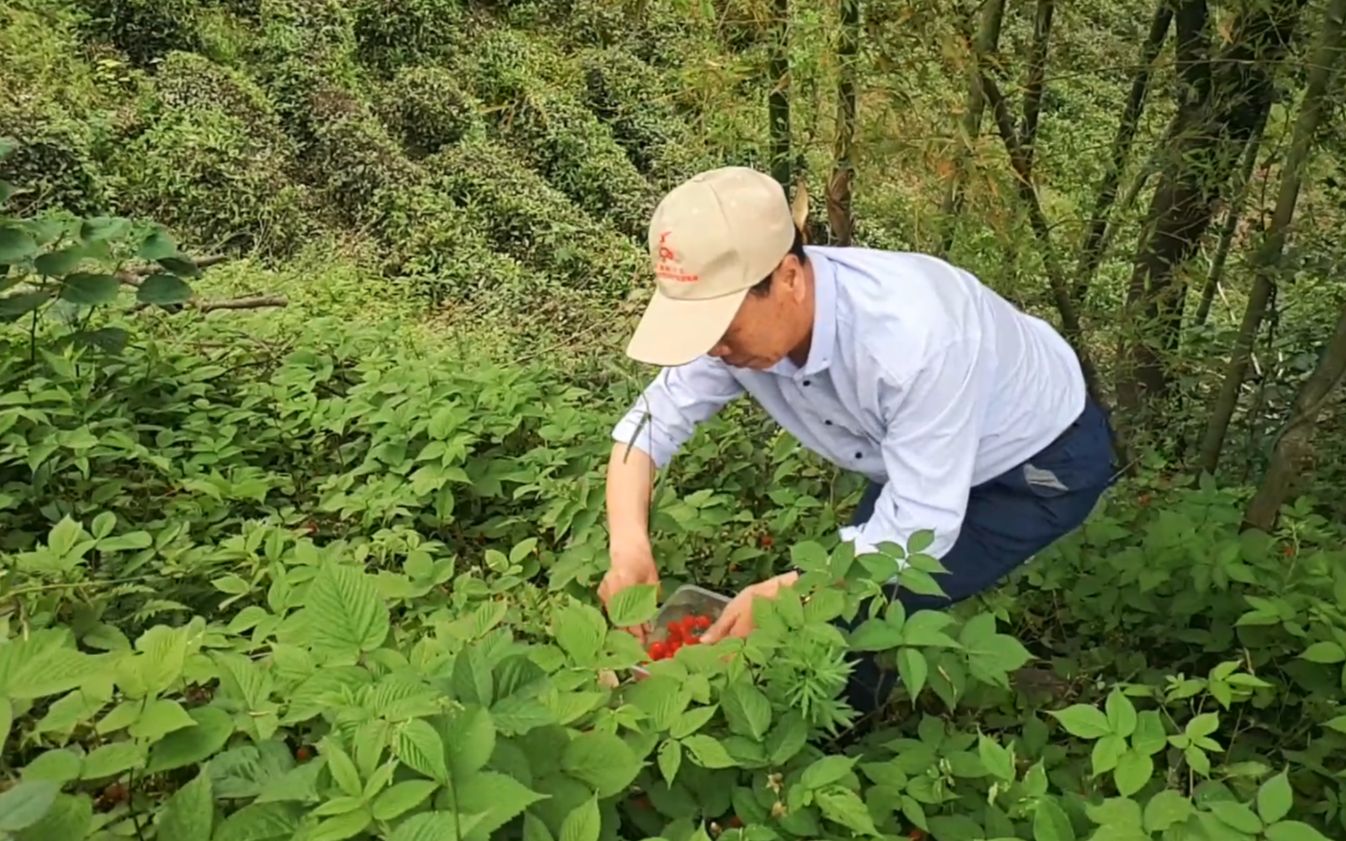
pixel 969 417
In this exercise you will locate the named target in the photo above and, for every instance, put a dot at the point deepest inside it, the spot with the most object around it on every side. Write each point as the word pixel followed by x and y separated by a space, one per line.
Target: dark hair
pixel 763 286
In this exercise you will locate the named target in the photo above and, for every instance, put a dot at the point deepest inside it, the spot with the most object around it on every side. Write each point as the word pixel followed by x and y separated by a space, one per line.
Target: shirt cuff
pixel 643 433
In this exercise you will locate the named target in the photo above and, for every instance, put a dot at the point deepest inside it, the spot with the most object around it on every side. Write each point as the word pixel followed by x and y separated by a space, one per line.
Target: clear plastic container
pixel 687 600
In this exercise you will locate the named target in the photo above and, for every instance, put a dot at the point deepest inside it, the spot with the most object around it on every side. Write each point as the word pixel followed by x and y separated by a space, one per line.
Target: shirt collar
pixel 824 320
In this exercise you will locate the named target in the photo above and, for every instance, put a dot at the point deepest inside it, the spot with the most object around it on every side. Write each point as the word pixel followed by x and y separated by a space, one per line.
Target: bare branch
pixel 255 302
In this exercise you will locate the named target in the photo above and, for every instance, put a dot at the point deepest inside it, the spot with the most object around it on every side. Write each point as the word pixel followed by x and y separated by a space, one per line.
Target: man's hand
pixel 630 567
pixel 736 620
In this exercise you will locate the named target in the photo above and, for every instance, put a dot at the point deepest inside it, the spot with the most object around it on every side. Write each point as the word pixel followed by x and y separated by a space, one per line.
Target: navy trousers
pixel 1009 519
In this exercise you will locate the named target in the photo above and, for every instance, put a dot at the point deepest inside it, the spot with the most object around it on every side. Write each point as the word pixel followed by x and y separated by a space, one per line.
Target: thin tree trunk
pixel 1321 69
pixel 1225 106
pixel 988 38
pixel 1070 320
pixel 1037 70
pixel 1091 253
pixel 1292 458
pixel 778 101
pixel 1231 222
pixel 839 214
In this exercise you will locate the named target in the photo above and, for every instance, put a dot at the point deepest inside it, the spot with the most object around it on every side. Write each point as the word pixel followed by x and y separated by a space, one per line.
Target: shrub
pixel 427 109
pixel 145 30
pixel 53 163
pixel 392 33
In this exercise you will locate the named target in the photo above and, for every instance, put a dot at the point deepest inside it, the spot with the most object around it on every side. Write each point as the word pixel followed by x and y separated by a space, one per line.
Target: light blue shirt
pixel 918 376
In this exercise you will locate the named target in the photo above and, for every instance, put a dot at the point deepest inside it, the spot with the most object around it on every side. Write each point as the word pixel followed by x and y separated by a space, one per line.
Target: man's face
pixel 767 327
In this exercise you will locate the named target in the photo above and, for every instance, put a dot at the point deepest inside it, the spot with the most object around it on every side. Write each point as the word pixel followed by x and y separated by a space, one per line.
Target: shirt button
pixel 827 422
pixel 806 383
pixel 859 455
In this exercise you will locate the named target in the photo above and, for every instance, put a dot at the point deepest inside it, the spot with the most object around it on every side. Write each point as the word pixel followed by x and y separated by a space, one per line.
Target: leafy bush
pixel 427 109
pixel 145 30
pixel 392 33
pixel 53 162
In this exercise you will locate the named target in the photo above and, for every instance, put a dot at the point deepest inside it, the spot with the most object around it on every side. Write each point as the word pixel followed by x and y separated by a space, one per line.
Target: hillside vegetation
pixel 311 317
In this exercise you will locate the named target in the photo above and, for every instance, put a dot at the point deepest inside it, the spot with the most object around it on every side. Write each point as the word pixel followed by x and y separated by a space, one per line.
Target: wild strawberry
pixel 303 753
pixel 658 650
pixel 766 541
pixel 735 822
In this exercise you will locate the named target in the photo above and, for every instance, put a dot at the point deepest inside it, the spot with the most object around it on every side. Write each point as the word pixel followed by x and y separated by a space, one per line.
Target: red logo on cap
pixel 668 266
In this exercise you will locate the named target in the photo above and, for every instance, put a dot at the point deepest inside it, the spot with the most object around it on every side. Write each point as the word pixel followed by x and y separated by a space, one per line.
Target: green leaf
pixel 189 814
pixel 1150 736
pixel 635 605
pixel 90 289
pixel 192 744
pixel 162 289
pixel 420 747
pixel 845 807
pixel 261 822
pixel 496 797
pixel 1203 725
pixel 920 541
pixel 1083 721
pixel 98 228
pixel 469 741
pixel 1324 652
pixel 15 246
pixel 69 818
pixel 57 766
pixel 534 829
pixel 156 246
pixel 708 752
pixel 601 760
pixel 996 758
pixel 1165 809
pixel 926 628
pixel 1236 815
pixel 670 759
pixel 342 769
pixel 1050 822
pixel 59 263
pixel 1134 770
pixel 747 709
pixel 827 771
pixel 181 266
pixel 787 738
pixel 345 614
pixel 584 823
pixel 1338 724
pixel 341 827
pixel 160 718
pixel 913 669
pixel 1274 798
pixel 1294 831
pixel 13 307
pixel 26 803
pixel 1122 718
pixel 580 630
pixel 402 797
pixel 435 826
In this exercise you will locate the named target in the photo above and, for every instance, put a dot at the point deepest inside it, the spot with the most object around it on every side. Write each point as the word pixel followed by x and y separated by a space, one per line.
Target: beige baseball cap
pixel 711 239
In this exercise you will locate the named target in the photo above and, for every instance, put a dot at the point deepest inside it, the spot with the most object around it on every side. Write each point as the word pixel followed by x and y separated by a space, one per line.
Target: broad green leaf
pixel 157 245
pixel 875 635
pixel 469 740
pixel 1120 811
pixel 1134 770
pixel 845 807
pixel 192 744
pixel 747 709
pixel 926 628
pixel 98 228
pixel 1083 721
pixel 601 760
pixel 1338 724
pixel 15 246
pixel 435 826
pixel 1203 725
pixel 633 606
pixel 1150 736
pixel 90 289
pixel 1324 652
pixel 401 798
pixel 42 664
pixel 180 266
pixel 345 614
pixel 826 771
pixel 1165 809
pixel 584 823
pixel 261 822
pixel 26 803
pixel 57 766
pixel 670 759
pixel 1274 798
pixel 13 307
pixel 59 263
pixel 1050 822
pixel 112 759
pixel 580 630
pixel 1236 815
pixel 1107 752
pixel 913 669
pixel 534 829
pixel 69 818
pixel 163 289
pixel 420 747
pixel 708 752
pixel 6 718
pixel 497 798
pixel 1122 718
pixel 339 764
pixel 1294 831
pixel 160 718
pixel 996 758
pixel 342 826
pixel 787 738
pixel 189 814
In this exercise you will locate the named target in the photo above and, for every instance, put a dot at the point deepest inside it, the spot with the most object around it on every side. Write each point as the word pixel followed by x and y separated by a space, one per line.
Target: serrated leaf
pixel 913 669
pixel 601 760
pixel 26 803
pixel 57 766
pixel 1083 721
pixel 747 709
pixel 707 752
pixel 345 614
pixel 342 768
pixel 402 797
pixel 160 718
pixel 843 806
pixel 996 758
pixel 42 664
pixel 584 823
pixel 69 818
pixel 926 628
pixel 1236 815
pixel 826 771
pixel 111 760
pixel 192 744
pixel 580 630
pixel 497 798
pixel 469 740
pixel 261 822
pixel 90 289
pixel 634 605
pixel 670 760
pixel 1274 798
pixel 419 746
pixel 189 815
pixel 1050 822
pixel 341 827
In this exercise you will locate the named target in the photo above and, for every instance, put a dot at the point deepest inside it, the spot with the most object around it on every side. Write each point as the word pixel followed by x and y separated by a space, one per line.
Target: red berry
pixel 303 753
pixel 673 647
pixel 702 623
pixel 766 541
pixel 658 650
pixel 735 822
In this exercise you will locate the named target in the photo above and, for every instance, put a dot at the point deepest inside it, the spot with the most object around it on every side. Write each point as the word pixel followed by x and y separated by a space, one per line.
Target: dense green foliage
pixel 327 571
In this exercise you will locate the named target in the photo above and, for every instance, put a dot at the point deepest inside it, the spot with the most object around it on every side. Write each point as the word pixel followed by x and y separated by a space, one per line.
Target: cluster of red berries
pixel 684 631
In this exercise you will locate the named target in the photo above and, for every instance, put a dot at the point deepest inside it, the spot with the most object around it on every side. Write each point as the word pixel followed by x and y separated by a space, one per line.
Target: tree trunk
pixel 778 101
pixel 1321 69
pixel 1222 106
pixel 1292 458
pixel 1091 253
pixel 1037 70
pixel 988 38
pixel 839 214
pixel 1231 222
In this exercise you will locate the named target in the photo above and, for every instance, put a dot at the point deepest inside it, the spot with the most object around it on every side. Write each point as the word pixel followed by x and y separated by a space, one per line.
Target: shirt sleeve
pixel 929 450
pixel 665 415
